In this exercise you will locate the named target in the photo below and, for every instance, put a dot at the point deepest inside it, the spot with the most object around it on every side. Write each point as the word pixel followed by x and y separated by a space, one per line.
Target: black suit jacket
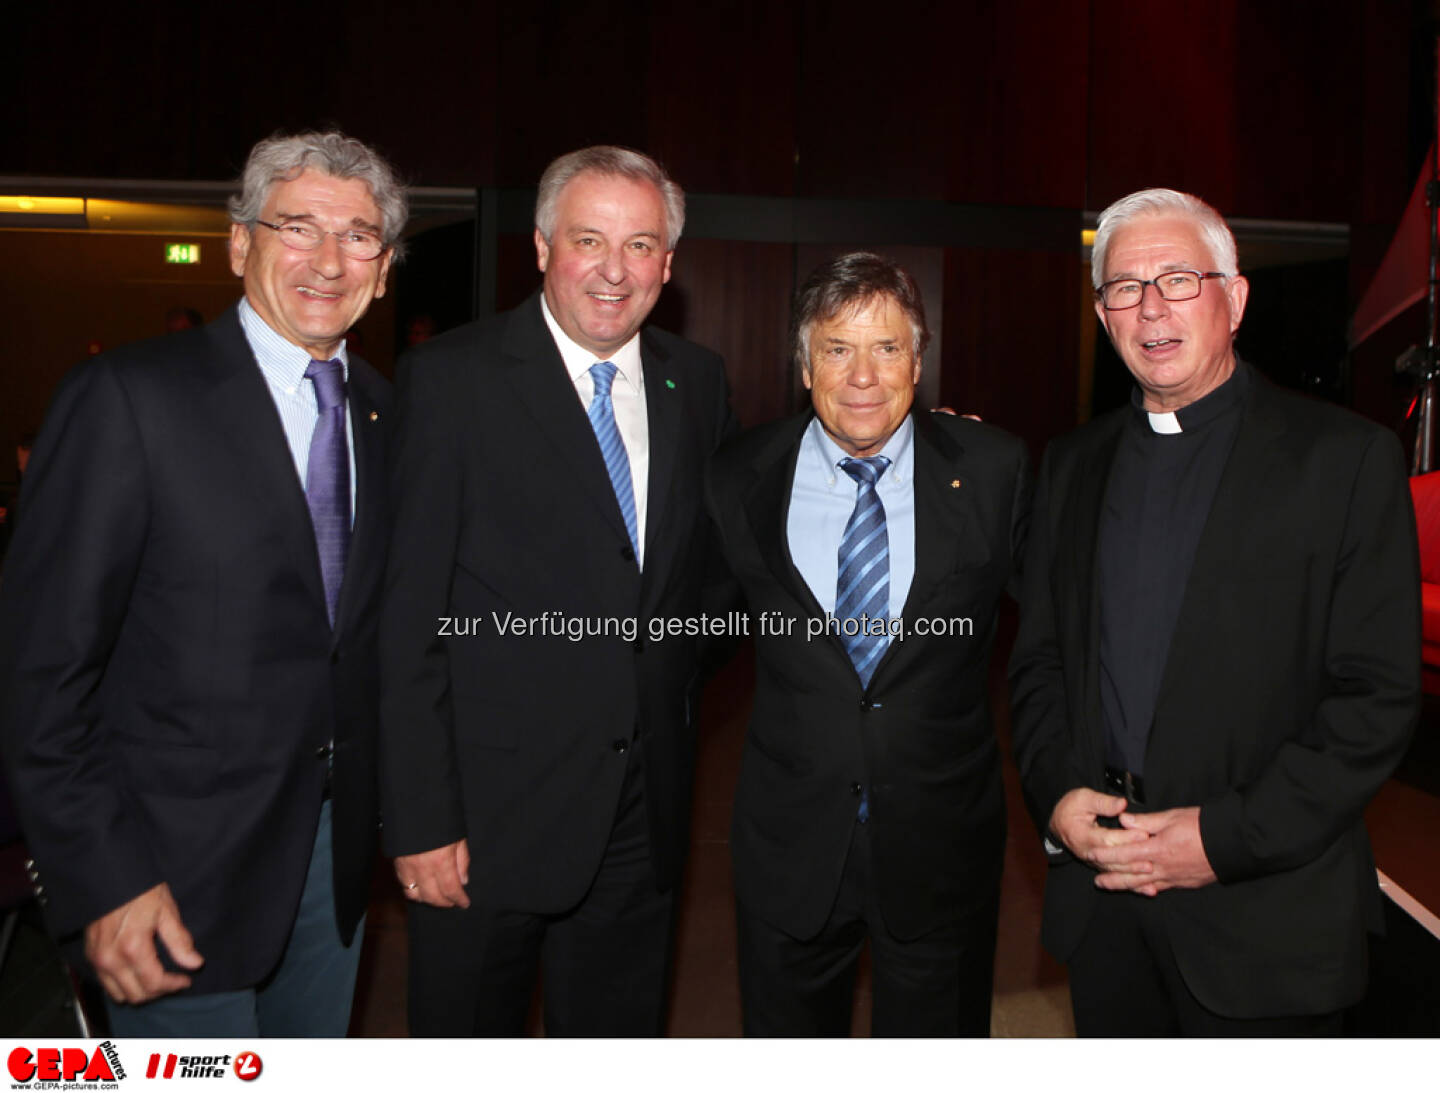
pixel 504 511
pixel 169 669
pixel 920 737
pixel 1291 688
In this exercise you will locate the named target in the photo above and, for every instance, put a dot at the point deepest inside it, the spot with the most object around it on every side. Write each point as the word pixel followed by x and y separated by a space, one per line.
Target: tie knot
pixel 866 472
pixel 603 373
pixel 329 379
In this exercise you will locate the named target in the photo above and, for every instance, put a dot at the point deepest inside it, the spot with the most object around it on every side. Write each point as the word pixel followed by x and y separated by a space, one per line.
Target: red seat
pixel 1425 491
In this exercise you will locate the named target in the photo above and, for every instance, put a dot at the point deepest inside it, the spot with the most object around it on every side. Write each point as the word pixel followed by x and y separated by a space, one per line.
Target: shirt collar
pixel 1211 407
pixel 825 455
pixel 282 361
pixel 578 359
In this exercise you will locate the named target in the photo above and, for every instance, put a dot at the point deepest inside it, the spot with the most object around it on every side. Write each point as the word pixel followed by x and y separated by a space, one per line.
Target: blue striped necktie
pixel 327 478
pixel 863 586
pixel 612 447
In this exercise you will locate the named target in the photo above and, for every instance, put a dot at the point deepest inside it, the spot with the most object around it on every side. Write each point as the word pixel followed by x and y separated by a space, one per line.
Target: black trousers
pixel 938 984
pixel 1124 981
pixel 604 964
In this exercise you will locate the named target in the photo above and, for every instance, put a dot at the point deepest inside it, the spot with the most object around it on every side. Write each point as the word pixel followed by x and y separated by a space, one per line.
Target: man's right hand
pixel 1074 823
pixel 437 877
pixel 121 946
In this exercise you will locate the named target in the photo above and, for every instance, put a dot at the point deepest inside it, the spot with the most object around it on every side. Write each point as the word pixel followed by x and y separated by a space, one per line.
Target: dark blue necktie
pixel 612 447
pixel 327 479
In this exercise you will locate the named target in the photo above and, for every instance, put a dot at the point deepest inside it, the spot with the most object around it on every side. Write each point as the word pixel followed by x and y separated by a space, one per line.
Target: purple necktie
pixel 327 480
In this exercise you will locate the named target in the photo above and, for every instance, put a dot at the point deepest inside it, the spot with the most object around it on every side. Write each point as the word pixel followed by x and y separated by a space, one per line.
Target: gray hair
pixel 1159 202
pixel 614 161
pixel 281 159
pixel 851 281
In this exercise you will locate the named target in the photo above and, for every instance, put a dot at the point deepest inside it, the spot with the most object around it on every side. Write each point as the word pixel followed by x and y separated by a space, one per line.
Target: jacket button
pixel 628 553
pixel 335 656
pixel 621 746
pixel 322 752
pixel 866 704
pixel 856 788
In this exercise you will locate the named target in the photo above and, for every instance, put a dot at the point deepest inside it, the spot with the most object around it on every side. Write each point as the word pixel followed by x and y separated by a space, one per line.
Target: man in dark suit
pixel 536 735
pixel 873 545
pixel 1218 663
pixel 187 628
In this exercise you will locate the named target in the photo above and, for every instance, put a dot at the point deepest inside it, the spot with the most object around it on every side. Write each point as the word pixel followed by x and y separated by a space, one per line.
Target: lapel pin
pixel 954 483
pixel 670 384
pixel 374 415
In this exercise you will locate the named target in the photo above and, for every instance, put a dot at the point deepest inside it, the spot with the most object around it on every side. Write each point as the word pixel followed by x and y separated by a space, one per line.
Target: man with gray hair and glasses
pixel 536 720
pixel 187 627
pixel 1218 663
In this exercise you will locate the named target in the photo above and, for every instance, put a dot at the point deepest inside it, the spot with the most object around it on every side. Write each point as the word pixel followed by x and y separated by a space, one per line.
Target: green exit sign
pixel 182 254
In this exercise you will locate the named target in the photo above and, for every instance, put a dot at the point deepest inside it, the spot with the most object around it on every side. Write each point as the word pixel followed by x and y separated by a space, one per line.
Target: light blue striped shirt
pixel 283 365
pixel 822 498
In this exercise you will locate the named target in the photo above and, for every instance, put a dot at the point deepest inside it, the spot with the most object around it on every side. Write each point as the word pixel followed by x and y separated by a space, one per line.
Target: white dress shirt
pixel 627 396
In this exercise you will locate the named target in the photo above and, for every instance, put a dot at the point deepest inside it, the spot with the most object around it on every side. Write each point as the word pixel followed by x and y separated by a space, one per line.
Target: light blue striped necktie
pixel 612 447
pixel 863 586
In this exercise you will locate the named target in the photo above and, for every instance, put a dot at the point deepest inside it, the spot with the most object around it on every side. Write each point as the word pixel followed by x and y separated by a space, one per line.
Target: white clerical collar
pixel 1166 424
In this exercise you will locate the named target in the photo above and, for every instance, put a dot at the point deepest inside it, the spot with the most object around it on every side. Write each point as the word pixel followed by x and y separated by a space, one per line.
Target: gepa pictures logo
pixel 70 1064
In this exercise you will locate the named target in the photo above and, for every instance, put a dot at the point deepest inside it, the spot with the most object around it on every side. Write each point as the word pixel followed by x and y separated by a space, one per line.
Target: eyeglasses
pixel 302 235
pixel 1177 284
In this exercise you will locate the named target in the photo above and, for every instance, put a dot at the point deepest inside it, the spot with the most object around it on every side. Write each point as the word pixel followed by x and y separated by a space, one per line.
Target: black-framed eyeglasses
pixel 303 235
pixel 1174 285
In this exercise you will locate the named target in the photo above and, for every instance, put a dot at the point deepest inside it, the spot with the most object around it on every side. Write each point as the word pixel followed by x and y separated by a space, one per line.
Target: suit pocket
pixel 168 770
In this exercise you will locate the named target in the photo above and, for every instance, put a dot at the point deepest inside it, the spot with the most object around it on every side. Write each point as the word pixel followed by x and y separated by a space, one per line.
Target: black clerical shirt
pixel 1156 503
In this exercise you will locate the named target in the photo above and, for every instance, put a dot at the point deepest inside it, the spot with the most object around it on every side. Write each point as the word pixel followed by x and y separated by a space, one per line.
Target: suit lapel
pixel 946 525
pixel 767 507
pixel 942 530
pixel 535 371
pixel 238 401
pixel 662 410
pixel 367 538
pixel 1081 521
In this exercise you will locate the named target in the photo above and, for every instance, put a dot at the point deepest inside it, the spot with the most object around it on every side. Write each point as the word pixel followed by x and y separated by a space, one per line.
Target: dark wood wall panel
pixel 735 298
pixel 1012 339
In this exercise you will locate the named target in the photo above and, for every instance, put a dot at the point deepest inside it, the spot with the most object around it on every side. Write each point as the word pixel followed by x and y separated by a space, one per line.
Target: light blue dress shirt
pixel 283 365
pixel 822 498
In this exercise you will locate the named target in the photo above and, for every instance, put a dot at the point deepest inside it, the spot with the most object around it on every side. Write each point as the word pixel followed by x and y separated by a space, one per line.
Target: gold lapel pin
pixel 375 416
pixel 954 483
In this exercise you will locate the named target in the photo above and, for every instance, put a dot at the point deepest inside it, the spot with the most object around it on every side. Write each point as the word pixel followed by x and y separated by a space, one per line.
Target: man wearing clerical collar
pixel 1217 663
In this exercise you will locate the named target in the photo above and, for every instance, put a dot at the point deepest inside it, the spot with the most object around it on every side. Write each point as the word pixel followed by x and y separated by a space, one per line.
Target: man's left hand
pixel 1174 850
